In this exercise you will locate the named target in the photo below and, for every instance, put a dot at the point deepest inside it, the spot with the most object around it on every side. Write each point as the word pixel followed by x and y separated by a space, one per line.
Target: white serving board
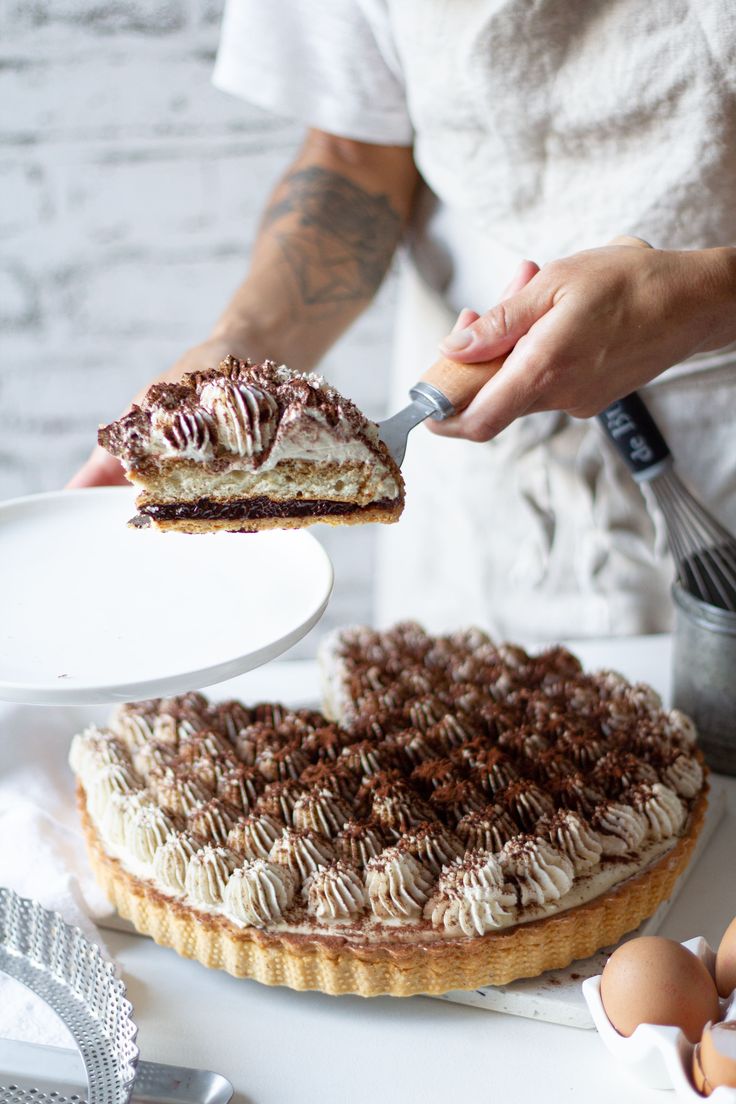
pixel 96 612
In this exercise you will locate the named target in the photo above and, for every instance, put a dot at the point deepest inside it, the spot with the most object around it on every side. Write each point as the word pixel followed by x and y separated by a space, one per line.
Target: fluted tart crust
pixel 469 815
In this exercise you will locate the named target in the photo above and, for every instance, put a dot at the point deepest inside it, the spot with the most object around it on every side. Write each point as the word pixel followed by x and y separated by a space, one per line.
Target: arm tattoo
pixel 342 245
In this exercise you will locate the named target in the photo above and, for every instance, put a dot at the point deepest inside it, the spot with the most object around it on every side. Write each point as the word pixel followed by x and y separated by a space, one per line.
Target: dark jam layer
pixel 207 509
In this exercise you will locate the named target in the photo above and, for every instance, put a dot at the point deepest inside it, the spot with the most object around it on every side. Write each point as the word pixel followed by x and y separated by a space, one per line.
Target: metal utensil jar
pixel 704 675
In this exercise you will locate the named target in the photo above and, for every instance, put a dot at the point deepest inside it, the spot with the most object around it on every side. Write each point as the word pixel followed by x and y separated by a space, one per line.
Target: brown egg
pixel 726 962
pixel 717 1056
pixel 657 981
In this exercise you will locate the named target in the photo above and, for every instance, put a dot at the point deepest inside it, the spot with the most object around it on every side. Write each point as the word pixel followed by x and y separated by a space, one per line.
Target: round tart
pixel 464 814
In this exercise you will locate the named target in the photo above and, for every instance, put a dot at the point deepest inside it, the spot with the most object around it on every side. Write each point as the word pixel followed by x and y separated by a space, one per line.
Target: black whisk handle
pixel 633 431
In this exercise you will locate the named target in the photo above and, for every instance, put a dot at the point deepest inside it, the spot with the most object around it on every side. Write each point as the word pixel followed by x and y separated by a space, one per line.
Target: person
pixel 551 140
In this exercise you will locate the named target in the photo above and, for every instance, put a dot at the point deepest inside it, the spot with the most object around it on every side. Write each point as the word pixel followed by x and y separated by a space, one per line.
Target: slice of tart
pixel 253 446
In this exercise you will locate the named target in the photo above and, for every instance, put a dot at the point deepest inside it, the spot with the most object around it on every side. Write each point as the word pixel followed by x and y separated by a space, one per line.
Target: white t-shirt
pixel 541 127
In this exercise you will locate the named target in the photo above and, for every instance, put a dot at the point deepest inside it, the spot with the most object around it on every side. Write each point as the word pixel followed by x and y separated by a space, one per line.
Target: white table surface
pixel 278 1046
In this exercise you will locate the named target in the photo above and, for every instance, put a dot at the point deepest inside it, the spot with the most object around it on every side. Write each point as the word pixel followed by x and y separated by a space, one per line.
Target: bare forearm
pixel 325 242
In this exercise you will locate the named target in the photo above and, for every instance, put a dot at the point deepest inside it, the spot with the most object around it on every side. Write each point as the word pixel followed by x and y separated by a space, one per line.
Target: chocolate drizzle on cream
pixel 336 893
pixel 259 893
pixel 302 851
pixel 487 830
pixel 358 842
pixel 253 836
pixel 241 415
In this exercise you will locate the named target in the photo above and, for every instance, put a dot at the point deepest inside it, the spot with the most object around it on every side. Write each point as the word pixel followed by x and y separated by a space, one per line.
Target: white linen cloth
pixel 41 846
pixel 541 127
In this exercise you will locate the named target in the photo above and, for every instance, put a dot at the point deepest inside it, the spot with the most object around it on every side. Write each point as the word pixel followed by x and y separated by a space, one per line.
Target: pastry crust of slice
pixel 329 964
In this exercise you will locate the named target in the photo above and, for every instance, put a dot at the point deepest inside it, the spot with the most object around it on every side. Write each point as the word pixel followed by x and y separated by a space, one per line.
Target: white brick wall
pixel 130 189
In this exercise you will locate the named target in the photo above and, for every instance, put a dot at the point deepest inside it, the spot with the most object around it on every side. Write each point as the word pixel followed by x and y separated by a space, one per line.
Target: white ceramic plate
pixel 92 611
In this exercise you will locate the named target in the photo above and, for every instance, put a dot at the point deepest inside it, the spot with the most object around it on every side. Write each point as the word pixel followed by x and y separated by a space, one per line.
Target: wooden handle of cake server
pixel 460 383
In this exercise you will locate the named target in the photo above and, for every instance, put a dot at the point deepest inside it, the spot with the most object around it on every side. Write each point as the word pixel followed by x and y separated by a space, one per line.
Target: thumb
pixel 497 331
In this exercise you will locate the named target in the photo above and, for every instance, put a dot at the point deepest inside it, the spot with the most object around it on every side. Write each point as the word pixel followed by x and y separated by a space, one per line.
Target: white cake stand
pixel 94 612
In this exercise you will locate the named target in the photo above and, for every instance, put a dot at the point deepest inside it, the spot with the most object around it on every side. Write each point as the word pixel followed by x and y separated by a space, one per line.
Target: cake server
pixel 445 389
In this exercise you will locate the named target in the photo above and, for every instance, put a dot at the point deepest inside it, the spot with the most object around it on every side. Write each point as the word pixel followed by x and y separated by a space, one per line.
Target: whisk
pixel 703 550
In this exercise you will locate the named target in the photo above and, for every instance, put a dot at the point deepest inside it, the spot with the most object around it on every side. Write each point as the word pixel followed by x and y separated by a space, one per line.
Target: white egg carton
pixel 660 1057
